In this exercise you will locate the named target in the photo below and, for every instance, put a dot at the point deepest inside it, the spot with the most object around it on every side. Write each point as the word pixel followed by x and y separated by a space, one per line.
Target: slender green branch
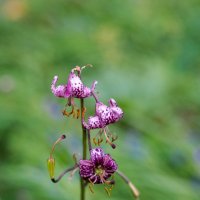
pixel 84 145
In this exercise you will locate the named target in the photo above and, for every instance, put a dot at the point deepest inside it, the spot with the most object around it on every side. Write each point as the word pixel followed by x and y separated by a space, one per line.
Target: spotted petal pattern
pixel 99 168
pixel 73 88
pixel 104 115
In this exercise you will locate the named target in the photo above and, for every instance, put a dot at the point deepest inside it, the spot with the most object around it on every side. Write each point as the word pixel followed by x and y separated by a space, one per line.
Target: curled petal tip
pixel 58 91
pixel 112 103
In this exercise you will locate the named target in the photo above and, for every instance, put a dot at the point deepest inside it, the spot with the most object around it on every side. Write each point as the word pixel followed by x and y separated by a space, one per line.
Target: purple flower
pixel 73 88
pixel 104 115
pixel 99 168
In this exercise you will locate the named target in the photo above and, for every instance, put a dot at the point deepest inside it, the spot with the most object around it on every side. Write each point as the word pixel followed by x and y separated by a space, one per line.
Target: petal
pixel 94 122
pixel 117 114
pixel 86 168
pixel 58 91
pixel 69 87
pixel 112 103
pixel 96 156
pixel 75 87
pixel 86 92
pixel 103 112
pixel 109 164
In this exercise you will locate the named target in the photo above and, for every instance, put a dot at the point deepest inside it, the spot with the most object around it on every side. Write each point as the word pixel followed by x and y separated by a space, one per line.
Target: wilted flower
pixel 99 168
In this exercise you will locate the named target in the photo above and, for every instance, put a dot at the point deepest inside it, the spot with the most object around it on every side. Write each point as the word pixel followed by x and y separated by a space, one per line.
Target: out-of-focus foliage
pixel 145 55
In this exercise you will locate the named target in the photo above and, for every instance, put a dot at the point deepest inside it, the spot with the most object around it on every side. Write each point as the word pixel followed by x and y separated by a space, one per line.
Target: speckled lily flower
pixel 104 115
pixel 73 88
pixel 99 168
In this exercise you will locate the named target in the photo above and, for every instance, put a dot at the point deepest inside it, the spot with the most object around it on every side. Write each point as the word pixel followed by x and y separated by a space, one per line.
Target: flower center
pixel 99 170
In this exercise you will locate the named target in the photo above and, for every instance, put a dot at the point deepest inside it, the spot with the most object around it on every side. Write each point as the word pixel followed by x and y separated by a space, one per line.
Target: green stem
pixel 84 145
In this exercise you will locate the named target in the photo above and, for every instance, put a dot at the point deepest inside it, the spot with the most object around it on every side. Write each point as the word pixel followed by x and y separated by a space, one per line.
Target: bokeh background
pixel 145 55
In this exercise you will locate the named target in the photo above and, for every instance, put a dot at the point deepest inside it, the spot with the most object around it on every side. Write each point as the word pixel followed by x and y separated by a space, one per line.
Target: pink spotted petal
pixel 58 91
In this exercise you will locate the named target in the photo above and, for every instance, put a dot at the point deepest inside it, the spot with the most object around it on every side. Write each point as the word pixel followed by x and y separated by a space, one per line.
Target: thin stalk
pixel 89 140
pixel 130 184
pixel 63 173
pixel 84 146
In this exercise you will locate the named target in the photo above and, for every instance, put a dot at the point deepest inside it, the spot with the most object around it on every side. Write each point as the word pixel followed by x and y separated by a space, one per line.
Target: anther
pixel 78 113
pixel 74 114
pixel 114 138
pixel 91 188
pixel 94 141
pixel 65 113
pixel 107 191
pixel 108 140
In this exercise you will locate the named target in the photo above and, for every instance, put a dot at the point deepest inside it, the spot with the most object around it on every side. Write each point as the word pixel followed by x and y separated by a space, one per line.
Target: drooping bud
pixel 51 160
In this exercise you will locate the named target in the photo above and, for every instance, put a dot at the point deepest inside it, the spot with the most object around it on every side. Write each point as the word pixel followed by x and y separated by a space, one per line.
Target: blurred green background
pixel 145 55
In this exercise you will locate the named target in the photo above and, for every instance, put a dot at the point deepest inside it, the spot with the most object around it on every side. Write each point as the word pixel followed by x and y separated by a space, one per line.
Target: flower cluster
pixel 100 167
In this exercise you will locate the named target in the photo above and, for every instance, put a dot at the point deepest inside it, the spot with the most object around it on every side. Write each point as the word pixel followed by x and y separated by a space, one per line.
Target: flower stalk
pixel 84 146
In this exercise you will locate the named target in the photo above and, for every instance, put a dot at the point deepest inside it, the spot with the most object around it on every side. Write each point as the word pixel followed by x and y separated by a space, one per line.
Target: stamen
pixel 110 182
pixel 114 138
pixel 74 114
pixel 102 178
pixel 107 191
pixel 62 137
pixel 75 158
pixel 108 140
pixel 64 112
pixel 90 180
pixel 91 188
pixel 78 113
pixel 73 172
pixel 100 140
pixel 94 141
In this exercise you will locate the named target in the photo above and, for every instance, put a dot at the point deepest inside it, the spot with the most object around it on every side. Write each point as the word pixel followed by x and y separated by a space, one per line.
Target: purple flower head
pixel 73 88
pixel 104 115
pixel 99 168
